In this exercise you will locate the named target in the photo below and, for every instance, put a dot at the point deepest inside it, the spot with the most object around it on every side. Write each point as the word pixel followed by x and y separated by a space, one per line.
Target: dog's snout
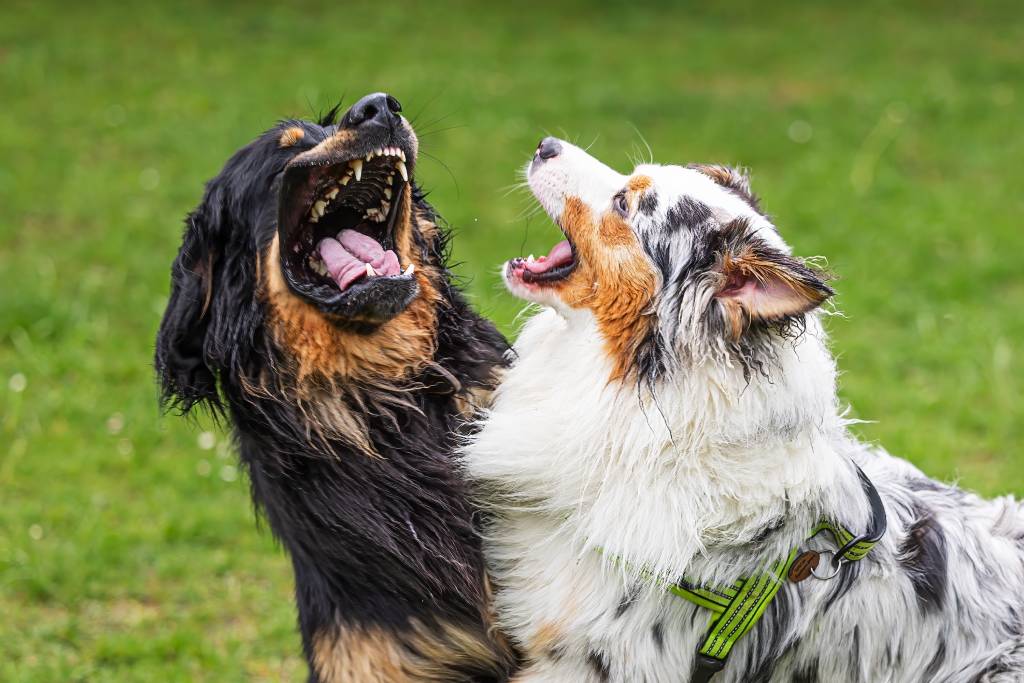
pixel 548 148
pixel 377 109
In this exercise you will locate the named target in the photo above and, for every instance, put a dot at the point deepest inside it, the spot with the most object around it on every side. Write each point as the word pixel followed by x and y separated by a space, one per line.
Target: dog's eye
pixel 620 204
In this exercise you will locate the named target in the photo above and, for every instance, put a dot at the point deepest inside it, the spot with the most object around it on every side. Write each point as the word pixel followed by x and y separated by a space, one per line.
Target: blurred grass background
pixel 887 138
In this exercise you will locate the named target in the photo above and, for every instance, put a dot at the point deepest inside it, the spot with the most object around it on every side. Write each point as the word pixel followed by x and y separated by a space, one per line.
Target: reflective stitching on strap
pixel 737 608
pixel 743 612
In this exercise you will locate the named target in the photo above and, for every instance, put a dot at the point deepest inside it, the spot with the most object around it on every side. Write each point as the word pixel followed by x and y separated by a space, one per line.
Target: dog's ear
pixel 182 363
pixel 734 179
pixel 759 283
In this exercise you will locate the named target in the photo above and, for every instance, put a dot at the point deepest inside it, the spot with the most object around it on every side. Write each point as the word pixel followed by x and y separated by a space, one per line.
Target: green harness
pixel 735 609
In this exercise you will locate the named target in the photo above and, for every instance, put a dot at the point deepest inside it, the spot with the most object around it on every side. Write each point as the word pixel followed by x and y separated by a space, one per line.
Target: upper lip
pixel 299 187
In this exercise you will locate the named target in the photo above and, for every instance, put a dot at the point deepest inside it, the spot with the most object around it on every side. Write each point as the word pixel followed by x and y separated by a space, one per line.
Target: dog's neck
pixel 705 462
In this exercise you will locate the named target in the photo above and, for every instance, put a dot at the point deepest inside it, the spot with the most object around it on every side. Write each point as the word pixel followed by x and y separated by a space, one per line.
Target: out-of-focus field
pixel 888 139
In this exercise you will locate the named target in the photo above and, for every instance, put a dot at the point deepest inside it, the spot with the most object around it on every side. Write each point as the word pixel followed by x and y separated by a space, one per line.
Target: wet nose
pixel 377 109
pixel 549 148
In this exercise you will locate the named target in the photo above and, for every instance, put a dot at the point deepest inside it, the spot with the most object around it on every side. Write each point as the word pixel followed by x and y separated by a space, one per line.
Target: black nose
pixel 549 148
pixel 378 109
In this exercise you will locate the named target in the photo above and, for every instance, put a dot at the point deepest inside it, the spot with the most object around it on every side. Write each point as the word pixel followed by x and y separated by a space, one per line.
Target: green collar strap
pixel 736 608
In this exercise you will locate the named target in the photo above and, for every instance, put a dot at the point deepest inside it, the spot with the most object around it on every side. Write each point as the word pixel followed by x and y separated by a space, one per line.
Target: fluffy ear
pixel 736 180
pixel 181 361
pixel 759 283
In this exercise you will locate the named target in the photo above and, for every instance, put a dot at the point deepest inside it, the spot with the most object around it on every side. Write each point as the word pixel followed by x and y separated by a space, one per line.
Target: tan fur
pixel 321 349
pixel 547 636
pixel 722 175
pixel 613 278
pixel 373 655
pixel 469 402
pixel 290 136
pixel 330 364
pixel 639 183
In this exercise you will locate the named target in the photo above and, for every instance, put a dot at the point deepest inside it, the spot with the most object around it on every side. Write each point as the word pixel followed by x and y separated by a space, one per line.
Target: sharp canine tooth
pixel 318 208
pixel 370 272
pixel 387 192
pixel 332 193
pixel 530 259
pixel 401 153
pixel 403 170
pixel 408 271
pixel 357 168
pixel 344 181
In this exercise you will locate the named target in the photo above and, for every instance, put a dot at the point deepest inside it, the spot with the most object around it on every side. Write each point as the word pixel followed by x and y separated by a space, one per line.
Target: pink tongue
pixel 363 247
pixel 561 254
pixel 347 256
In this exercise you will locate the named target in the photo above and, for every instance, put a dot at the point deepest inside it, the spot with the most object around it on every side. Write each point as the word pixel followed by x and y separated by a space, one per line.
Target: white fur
pixel 597 489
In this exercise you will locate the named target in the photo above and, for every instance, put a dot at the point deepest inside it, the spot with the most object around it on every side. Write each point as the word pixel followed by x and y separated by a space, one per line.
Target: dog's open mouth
pixel 545 270
pixel 339 221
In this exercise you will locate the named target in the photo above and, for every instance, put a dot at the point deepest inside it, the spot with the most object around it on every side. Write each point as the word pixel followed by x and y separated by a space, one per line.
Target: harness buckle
pixel 705 667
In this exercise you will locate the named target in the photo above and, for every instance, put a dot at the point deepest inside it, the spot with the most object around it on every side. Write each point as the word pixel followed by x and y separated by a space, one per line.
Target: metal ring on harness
pixel 834 564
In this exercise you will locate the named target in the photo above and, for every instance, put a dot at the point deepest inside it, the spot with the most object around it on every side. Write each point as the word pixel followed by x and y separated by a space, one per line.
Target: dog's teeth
pixel 332 193
pixel 387 193
pixel 318 208
pixel 403 170
pixel 357 168
pixel 344 181
pixel 370 272
pixel 408 271
pixel 530 259
pixel 401 153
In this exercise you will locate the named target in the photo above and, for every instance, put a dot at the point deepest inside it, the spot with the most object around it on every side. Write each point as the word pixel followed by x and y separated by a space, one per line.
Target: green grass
pixel 885 138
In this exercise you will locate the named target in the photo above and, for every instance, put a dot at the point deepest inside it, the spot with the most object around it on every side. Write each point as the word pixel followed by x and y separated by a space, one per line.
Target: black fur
pixel 599 664
pixel 686 213
pixel 923 556
pixel 376 542
pixel 648 202
pixel 658 635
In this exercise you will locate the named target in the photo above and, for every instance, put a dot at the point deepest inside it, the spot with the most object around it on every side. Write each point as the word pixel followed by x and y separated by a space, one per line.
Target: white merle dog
pixel 671 421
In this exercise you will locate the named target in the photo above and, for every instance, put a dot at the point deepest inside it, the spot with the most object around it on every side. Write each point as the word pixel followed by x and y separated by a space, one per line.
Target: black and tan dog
pixel 311 305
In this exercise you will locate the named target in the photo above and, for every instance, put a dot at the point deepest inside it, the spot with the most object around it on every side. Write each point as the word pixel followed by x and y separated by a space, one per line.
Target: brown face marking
pixel 320 349
pixel 639 183
pixel 290 136
pixel 613 278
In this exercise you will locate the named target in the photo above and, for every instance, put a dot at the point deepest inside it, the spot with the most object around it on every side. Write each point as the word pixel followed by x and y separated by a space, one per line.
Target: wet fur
pixel 346 432
pixel 714 456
